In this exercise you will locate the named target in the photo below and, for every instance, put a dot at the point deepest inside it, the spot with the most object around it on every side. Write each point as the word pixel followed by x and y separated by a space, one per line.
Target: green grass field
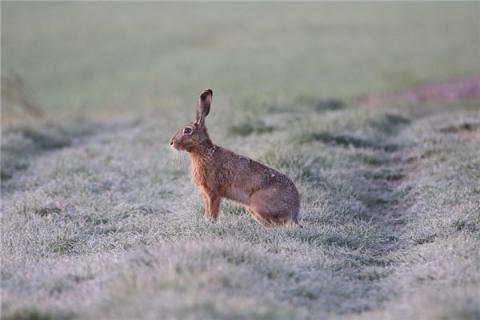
pixel 100 220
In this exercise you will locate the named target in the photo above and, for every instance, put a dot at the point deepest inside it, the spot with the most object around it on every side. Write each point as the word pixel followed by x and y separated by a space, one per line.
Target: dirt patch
pixel 464 127
pixel 436 91
pixel 464 131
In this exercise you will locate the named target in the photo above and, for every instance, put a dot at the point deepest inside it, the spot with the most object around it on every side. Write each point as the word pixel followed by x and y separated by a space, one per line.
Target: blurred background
pixel 103 59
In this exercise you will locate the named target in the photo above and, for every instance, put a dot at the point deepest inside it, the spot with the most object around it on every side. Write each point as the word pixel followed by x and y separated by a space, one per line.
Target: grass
pixel 133 57
pixel 121 230
pixel 100 220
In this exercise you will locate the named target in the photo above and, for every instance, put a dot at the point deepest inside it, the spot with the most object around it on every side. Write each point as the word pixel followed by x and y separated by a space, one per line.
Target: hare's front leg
pixel 212 206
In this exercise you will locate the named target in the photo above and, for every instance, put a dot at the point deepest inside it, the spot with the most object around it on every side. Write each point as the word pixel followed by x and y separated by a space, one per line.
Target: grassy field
pixel 100 220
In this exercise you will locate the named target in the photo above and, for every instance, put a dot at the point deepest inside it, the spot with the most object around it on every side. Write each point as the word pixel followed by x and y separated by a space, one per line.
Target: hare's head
pixel 194 133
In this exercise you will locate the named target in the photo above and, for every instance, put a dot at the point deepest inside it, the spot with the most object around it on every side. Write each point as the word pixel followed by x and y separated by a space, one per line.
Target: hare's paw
pixel 209 219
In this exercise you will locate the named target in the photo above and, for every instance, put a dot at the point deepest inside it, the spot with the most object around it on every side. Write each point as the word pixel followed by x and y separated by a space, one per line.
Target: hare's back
pixel 247 176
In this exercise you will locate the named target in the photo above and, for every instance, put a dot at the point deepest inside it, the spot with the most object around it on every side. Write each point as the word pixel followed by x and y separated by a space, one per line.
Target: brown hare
pixel 269 196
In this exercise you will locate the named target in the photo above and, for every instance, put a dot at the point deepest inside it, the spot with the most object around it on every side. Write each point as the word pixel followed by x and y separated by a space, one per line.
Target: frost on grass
pixel 112 228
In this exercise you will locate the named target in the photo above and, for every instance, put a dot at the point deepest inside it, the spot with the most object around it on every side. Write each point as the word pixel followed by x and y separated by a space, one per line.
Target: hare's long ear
pixel 203 107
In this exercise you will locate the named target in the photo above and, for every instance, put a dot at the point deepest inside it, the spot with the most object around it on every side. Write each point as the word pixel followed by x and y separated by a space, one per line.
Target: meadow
pixel 99 218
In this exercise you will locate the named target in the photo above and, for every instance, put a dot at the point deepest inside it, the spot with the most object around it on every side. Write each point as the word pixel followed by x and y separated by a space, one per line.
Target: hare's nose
pixel 171 142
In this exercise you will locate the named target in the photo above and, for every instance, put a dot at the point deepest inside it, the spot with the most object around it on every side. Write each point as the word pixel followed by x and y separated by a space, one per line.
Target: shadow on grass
pixel 21 144
pixel 344 140
pixel 249 127
pixel 36 315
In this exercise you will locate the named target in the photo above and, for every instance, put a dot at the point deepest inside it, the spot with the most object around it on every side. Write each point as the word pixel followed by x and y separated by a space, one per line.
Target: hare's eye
pixel 187 130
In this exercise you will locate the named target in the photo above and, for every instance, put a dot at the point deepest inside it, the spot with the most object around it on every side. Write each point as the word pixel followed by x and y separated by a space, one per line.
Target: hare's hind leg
pixel 258 217
pixel 267 219
pixel 265 206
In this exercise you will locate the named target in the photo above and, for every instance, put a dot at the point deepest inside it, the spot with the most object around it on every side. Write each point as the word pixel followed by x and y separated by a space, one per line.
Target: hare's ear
pixel 203 107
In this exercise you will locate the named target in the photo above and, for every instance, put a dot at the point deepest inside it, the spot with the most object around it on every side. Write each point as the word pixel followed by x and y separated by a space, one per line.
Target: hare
pixel 268 195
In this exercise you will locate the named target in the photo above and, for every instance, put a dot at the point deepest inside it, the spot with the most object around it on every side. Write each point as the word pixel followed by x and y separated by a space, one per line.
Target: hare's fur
pixel 268 195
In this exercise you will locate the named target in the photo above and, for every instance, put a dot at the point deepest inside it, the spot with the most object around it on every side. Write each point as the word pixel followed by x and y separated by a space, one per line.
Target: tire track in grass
pixel 394 186
pixel 434 265
pixel 23 145
pixel 385 208
pixel 385 189
pixel 354 277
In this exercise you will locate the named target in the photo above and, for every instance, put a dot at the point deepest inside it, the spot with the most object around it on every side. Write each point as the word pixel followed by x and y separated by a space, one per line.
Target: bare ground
pixel 446 91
